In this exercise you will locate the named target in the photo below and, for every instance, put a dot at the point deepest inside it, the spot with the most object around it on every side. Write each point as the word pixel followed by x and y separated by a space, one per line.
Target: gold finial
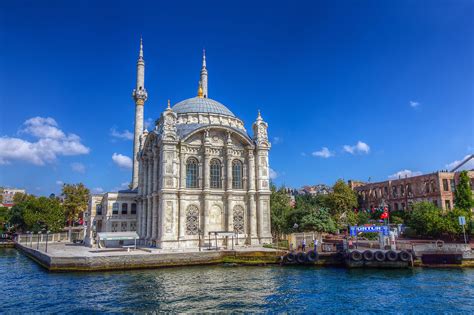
pixel 169 106
pixel 200 93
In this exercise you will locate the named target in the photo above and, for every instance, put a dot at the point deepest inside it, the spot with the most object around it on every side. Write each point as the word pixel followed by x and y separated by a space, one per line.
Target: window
pixel 445 185
pixel 447 204
pixel 237 172
pixel 396 206
pixel 453 187
pixel 403 206
pixel 124 226
pixel 124 208
pixel 98 209
pixel 215 175
pixel 427 187
pixel 134 208
pixel 394 192
pixel 114 226
pixel 402 190
pixel 115 208
pixel 192 171
pixel 192 220
pixel 385 191
pixel 238 219
pixel 409 191
pixel 133 226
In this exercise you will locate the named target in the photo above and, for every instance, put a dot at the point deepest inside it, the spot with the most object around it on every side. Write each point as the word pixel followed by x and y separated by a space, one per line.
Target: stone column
pixel 182 169
pixel 182 218
pixel 149 199
pixel 144 193
pixel 230 218
pixel 204 225
pixel 229 169
pixel 154 210
pixel 252 219
pixel 206 168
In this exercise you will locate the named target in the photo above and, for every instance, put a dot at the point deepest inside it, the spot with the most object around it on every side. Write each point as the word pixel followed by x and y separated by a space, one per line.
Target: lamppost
pixel 236 232
pixel 31 239
pixel 38 240
pixel 47 236
pixel 199 235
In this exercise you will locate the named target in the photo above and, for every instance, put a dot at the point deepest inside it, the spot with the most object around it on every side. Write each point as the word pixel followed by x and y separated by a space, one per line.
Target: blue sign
pixel 354 230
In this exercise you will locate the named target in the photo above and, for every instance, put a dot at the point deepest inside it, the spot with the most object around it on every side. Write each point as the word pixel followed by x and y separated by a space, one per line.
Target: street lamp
pixel 47 236
pixel 38 240
pixel 199 236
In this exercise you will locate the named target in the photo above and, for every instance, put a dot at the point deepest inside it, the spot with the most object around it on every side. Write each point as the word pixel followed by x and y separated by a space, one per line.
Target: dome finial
pixel 200 93
pixel 169 105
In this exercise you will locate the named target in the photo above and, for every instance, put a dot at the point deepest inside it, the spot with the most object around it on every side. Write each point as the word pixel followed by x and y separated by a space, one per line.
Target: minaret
pixel 204 74
pixel 139 96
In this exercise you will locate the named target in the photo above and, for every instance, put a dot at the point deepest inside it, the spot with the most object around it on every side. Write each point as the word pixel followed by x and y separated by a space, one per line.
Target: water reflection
pixel 28 288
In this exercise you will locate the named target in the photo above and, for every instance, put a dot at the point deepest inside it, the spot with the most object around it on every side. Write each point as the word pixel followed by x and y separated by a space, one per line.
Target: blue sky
pixel 350 89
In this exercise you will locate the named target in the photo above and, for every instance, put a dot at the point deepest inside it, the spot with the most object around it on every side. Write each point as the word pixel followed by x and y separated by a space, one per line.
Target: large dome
pixel 201 105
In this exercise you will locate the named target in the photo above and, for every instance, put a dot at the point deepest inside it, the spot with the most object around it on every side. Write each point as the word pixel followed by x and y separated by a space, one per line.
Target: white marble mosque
pixel 197 172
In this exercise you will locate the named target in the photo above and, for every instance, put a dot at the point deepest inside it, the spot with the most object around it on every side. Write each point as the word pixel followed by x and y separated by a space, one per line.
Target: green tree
pixel 341 201
pixel 34 214
pixel 463 194
pixel 318 220
pixel 76 199
pixel 426 219
pixel 279 208
pixel 43 213
pixel 362 218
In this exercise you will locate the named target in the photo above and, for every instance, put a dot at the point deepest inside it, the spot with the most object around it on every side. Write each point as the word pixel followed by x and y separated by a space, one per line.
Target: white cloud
pixel 403 174
pixel 360 147
pixel 51 143
pixel 277 140
pixel 324 153
pixel 124 135
pixel 78 167
pixel 59 182
pixel 414 104
pixel 273 174
pixel 122 161
pixel 97 190
pixel 468 166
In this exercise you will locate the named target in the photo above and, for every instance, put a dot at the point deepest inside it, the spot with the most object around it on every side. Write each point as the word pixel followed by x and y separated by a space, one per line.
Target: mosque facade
pixel 197 173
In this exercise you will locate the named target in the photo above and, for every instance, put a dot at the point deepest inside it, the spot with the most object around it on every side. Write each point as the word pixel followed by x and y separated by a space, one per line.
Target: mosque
pixel 196 173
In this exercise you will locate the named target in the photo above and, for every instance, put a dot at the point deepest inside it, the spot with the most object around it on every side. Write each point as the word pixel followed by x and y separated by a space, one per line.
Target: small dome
pixel 201 105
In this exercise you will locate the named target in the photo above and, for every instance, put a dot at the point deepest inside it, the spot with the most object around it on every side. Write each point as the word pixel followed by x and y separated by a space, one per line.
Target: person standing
pixel 303 245
pixel 316 245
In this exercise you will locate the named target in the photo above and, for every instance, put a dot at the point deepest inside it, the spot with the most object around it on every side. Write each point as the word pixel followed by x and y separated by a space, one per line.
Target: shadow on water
pixel 28 287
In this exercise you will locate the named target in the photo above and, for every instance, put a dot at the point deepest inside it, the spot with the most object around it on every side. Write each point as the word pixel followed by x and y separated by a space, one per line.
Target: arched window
pixel 215 175
pixel 192 220
pixel 192 171
pixel 124 208
pixel 239 219
pixel 237 174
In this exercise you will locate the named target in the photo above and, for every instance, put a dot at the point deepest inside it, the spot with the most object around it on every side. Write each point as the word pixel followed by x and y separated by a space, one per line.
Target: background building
pixel 400 194
pixel 8 194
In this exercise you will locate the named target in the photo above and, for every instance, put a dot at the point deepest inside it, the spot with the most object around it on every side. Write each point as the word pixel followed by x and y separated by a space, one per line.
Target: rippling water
pixel 27 288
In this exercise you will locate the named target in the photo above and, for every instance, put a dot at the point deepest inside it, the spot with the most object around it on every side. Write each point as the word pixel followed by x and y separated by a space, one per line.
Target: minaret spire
pixel 139 96
pixel 203 78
